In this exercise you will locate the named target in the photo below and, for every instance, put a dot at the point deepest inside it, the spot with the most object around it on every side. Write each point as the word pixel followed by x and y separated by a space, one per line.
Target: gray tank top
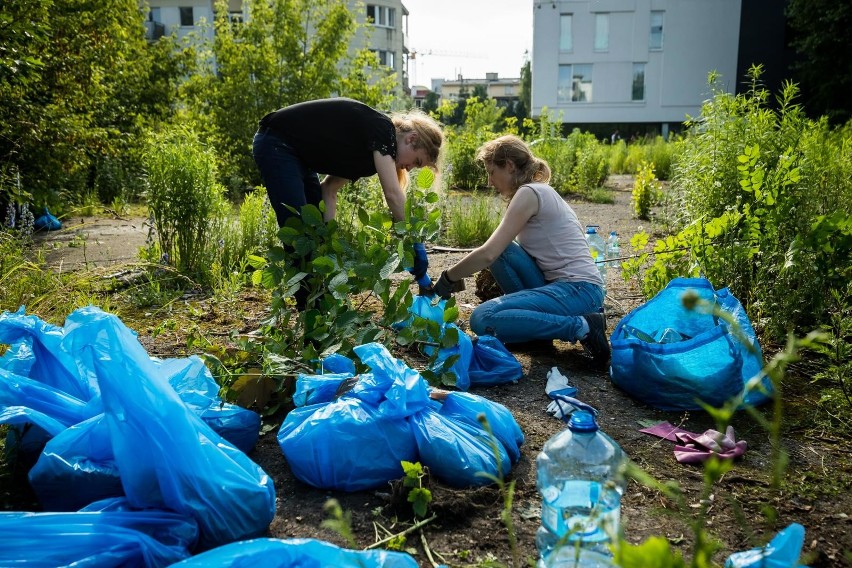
pixel 555 238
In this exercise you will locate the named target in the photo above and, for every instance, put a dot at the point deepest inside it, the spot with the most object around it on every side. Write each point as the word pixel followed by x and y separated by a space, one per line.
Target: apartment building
pixel 506 91
pixel 385 32
pixel 630 61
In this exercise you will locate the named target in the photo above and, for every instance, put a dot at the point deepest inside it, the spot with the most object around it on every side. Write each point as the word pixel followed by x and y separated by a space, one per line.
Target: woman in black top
pixel 345 140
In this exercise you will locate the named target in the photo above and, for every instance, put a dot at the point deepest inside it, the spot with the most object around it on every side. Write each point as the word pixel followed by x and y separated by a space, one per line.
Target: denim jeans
pixel 531 308
pixel 287 179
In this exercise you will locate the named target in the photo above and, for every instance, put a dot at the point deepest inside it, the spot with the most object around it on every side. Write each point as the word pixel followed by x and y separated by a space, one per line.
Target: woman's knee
pixel 480 320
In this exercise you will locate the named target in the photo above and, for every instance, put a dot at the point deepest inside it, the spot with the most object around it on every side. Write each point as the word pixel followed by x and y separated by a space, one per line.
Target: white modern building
pixel 618 62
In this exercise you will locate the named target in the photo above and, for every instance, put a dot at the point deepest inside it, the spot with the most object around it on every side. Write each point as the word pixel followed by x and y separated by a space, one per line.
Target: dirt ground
pixel 468 530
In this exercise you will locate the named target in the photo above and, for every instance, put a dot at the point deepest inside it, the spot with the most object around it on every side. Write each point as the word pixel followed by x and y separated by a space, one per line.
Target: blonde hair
pixel 430 137
pixel 510 148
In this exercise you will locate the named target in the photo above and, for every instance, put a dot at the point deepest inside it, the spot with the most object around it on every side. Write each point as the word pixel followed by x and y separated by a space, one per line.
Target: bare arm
pixel 394 196
pixel 329 187
pixel 523 206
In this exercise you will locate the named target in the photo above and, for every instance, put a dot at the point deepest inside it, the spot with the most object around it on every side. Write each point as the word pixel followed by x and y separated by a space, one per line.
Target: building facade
pixel 506 91
pixel 631 62
pixel 384 31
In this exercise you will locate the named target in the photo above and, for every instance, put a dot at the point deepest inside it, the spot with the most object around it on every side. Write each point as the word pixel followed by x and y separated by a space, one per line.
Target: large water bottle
pixel 613 251
pixel 580 481
pixel 597 246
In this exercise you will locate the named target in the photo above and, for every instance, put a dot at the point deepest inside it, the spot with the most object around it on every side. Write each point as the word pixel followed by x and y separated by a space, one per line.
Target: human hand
pixel 445 287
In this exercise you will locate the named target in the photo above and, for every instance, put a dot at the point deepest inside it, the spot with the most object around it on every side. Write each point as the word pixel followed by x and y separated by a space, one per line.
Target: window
pixel 381 15
pixel 236 18
pixel 574 83
pixel 601 32
pixel 638 82
pixel 186 18
pixel 154 15
pixel 385 57
pixel 565 41
pixel 656 40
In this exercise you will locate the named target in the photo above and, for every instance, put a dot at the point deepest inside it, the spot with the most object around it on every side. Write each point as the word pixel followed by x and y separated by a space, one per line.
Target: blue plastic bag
pixel 492 364
pixel 670 357
pixel 358 440
pixel 76 468
pixel 147 539
pixel 166 455
pixel 483 361
pixel 782 551
pixel 457 452
pixel 47 222
pixel 293 553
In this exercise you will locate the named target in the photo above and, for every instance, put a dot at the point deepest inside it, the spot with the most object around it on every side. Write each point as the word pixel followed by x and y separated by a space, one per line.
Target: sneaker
pixel 596 343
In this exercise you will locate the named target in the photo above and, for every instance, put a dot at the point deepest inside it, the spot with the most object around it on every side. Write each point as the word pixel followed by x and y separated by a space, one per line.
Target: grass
pixel 470 218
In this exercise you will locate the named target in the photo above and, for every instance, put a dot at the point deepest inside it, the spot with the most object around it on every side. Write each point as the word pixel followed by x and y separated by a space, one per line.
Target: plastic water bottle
pixel 569 557
pixel 613 251
pixel 579 478
pixel 597 246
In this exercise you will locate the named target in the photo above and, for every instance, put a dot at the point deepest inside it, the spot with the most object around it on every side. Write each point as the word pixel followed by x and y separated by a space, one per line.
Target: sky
pixel 467 37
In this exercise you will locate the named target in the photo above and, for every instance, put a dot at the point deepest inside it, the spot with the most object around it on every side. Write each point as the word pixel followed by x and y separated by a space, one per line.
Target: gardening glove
pixel 557 383
pixel 421 265
pixel 445 287
pixel 562 406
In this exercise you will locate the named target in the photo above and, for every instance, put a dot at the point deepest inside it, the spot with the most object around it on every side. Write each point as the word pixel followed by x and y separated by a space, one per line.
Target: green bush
pixel 185 201
pixel 617 157
pixel 764 197
pixel 646 190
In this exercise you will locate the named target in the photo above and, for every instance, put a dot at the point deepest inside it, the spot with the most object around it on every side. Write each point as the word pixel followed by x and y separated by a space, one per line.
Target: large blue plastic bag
pixel 358 440
pixel 467 407
pixel 457 452
pixel 196 387
pixel 51 365
pixel 313 389
pixel 345 445
pixel 492 364
pixel 295 553
pixel 704 362
pixel 166 455
pixel 147 539
pixel 76 468
pixel 38 353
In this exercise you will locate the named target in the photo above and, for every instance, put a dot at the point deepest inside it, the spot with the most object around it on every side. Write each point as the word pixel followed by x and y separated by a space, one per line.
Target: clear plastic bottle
pixel 597 246
pixel 613 251
pixel 580 481
pixel 569 557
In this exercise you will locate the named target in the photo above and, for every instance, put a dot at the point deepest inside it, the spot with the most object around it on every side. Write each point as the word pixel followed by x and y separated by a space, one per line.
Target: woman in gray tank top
pixel 539 257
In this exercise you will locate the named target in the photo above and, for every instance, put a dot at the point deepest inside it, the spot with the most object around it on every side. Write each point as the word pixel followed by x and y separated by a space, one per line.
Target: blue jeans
pixel 532 308
pixel 287 179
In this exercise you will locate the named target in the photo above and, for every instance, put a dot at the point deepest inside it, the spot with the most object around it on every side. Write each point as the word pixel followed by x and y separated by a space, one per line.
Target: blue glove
pixel 421 264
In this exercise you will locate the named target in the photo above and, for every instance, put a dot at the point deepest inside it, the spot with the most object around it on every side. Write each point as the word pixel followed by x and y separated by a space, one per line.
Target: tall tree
pixel 78 95
pixel 821 38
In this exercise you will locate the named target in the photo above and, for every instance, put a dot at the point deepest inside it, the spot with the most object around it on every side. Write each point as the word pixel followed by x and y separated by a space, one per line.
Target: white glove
pixel 557 383
pixel 559 409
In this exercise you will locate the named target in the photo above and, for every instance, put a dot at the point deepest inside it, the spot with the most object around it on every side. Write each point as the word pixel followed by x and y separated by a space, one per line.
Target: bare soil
pixel 468 529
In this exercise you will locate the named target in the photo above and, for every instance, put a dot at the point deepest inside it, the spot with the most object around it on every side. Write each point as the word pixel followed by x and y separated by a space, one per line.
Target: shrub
pixel 185 200
pixel 646 190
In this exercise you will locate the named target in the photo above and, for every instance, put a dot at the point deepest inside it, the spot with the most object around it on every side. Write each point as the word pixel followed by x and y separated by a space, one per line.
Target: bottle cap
pixel 582 421
pixel 613 233
pixel 591 229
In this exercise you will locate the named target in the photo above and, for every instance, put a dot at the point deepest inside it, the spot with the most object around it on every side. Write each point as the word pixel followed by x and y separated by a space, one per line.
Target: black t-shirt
pixel 335 136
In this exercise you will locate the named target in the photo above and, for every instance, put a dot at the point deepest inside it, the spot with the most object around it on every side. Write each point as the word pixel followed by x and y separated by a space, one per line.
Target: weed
pixel 418 496
pixel 646 190
pixel 471 218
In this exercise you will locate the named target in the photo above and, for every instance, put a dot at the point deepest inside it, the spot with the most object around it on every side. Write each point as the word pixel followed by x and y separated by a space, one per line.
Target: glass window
pixel 638 82
pixel 601 32
pixel 565 41
pixel 385 57
pixel 574 83
pixel 383 16
pixel 656 40
pixel 186 18
pixel 581 83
